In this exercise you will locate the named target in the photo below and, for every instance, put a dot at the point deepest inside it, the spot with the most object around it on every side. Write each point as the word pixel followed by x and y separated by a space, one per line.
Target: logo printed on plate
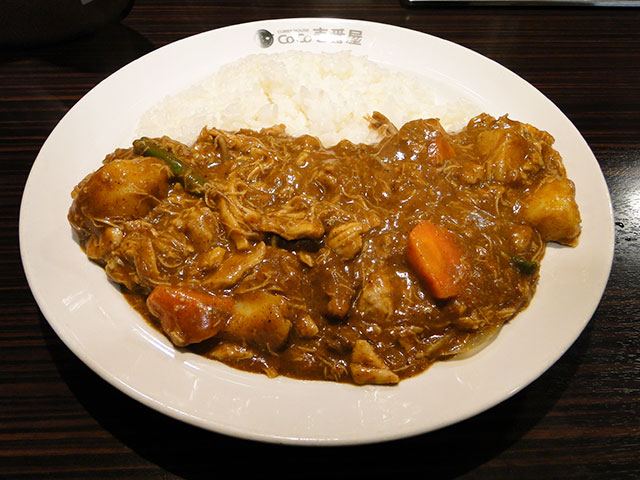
pixel 290 36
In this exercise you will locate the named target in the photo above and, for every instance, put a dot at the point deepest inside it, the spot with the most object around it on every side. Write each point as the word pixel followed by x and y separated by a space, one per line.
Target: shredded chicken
pixel 350 263
pixel 367 367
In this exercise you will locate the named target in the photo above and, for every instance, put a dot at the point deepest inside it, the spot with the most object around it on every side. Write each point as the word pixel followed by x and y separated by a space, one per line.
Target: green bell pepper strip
pixel 526 267
pixel 192 181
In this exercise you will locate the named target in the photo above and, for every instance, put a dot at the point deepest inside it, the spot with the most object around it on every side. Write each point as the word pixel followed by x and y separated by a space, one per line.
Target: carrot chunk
pixel 439 147
pixel 442 149
pixel 189 316
pixel 434 256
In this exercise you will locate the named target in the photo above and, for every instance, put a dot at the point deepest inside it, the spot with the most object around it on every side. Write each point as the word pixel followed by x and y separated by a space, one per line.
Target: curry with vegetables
pixel 351 263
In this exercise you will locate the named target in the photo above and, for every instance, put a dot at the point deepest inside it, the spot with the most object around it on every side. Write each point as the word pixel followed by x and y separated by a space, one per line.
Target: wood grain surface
pixel 579 420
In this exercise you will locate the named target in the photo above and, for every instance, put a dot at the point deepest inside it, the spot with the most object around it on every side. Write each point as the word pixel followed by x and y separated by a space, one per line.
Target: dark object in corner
pixel 29 23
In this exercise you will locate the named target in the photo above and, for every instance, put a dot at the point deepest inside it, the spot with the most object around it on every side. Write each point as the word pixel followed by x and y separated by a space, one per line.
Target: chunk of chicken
pixel 100 246
pixel 338 281
pixel 231 215
pixel 345 239
pixel 381 124
pixel 199 224
pixel 305 326
pixel 210 259
pixel 288 226
pixel 134 262
pixel 231 352
pixel 295 220
pixel 340 297
pixel 145 261
pixel 520 237
pixel 376 296
pixel 552 209
pixel 367 367
pixel 234 268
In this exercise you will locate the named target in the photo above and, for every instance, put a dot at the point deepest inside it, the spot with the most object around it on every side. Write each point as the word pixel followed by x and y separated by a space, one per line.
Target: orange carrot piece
pixel 443 149
pixel 189 316
pixel 439 147
pixel 434 256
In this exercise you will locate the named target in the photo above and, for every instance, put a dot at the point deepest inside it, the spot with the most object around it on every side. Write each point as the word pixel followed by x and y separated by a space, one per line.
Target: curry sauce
pixel 351 263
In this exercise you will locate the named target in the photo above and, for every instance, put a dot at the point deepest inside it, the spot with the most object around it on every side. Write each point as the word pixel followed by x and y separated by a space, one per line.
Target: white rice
pixel 327 95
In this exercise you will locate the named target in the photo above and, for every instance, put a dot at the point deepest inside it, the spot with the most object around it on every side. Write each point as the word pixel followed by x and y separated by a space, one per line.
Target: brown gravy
pixel 276 254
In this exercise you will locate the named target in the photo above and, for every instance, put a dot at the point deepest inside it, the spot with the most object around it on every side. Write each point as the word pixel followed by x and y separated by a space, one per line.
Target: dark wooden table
pixel 580 420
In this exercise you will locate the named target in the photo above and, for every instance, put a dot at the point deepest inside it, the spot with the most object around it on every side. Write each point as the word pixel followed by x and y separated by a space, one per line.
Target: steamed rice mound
pixel 327 95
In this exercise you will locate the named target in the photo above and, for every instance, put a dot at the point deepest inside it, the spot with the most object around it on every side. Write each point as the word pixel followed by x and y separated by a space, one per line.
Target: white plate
pixel 96 323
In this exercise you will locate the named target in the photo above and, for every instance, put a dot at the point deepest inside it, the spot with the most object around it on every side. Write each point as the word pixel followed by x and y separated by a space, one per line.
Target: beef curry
pixel 352 263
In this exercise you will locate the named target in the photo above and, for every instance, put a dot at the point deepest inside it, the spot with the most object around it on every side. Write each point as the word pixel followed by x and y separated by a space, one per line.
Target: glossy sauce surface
pixel 306 246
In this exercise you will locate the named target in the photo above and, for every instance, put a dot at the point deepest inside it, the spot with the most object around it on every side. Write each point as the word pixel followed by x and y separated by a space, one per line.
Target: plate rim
pixel 231 430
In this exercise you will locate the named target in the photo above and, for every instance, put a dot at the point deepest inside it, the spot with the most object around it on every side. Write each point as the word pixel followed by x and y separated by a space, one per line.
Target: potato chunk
pixel 259 319
pixel 552 209
pixel 123 189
